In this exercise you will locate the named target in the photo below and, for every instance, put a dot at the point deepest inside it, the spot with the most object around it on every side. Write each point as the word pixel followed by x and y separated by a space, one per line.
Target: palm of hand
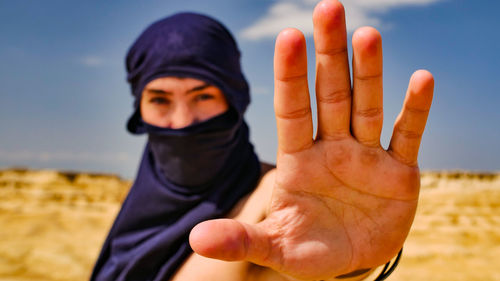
pixel 340 202
pixel 335 207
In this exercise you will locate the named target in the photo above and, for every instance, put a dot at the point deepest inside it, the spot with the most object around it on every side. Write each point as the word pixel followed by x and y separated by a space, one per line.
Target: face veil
pixel 192 157
pixel 187 175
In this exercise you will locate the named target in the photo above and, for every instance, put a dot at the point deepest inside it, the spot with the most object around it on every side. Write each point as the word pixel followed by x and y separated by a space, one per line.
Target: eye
pixel 204 97
pixel 159 101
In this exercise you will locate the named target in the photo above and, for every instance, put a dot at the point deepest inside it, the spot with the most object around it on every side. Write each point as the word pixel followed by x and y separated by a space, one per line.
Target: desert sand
pixel 52 225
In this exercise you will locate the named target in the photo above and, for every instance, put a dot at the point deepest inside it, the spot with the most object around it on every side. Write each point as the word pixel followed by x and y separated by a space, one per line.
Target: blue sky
pixel 64 100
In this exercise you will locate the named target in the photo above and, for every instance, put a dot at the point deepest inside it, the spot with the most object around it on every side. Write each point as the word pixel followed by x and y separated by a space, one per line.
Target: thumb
pixel 231 240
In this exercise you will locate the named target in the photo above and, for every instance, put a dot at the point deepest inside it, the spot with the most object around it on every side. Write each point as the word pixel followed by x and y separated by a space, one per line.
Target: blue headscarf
pixel 149 238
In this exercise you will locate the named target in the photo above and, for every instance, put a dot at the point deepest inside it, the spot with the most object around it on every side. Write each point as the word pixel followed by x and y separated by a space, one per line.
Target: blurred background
pixel 64 102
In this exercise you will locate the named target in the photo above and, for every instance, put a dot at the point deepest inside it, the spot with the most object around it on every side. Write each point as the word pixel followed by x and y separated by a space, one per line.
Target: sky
pixel 64 100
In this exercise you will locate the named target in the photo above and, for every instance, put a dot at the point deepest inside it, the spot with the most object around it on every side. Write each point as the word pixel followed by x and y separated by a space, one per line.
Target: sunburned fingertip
pixel 367 40
pixel 328 13
pixel 425 76
pixel 422 83
pixel 291 37
pixel 219 239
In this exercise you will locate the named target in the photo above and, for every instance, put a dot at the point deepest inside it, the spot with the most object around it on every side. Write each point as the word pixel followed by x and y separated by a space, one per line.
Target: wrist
pixel 360 274
pixel 354 275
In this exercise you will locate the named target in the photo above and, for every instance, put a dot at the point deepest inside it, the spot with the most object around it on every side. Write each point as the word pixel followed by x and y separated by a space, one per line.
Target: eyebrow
pixel 195 89
pixel 158 92
pixel 199 88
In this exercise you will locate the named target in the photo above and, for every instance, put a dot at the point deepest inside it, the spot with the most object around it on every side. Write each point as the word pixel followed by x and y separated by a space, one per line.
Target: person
pixel 336 206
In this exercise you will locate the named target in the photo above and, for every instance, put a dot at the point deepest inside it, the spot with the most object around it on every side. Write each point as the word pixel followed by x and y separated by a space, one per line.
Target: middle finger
pixel 333 85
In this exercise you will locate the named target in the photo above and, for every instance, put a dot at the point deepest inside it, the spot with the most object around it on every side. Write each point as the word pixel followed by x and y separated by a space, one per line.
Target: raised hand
pixel 340 201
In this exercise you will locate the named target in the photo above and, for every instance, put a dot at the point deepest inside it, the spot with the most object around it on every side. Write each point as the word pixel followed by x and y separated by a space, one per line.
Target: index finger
pixel 291 94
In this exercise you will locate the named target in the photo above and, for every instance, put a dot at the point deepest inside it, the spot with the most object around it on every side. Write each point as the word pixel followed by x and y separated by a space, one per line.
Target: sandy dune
pixel 52 225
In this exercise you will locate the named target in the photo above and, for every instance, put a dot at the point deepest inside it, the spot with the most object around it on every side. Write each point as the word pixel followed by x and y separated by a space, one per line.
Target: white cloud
pixel 91 61
pixel 280 15
pixel 298 14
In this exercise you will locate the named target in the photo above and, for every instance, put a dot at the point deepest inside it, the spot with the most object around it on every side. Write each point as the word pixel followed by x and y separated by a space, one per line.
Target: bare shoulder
pixel 252 208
